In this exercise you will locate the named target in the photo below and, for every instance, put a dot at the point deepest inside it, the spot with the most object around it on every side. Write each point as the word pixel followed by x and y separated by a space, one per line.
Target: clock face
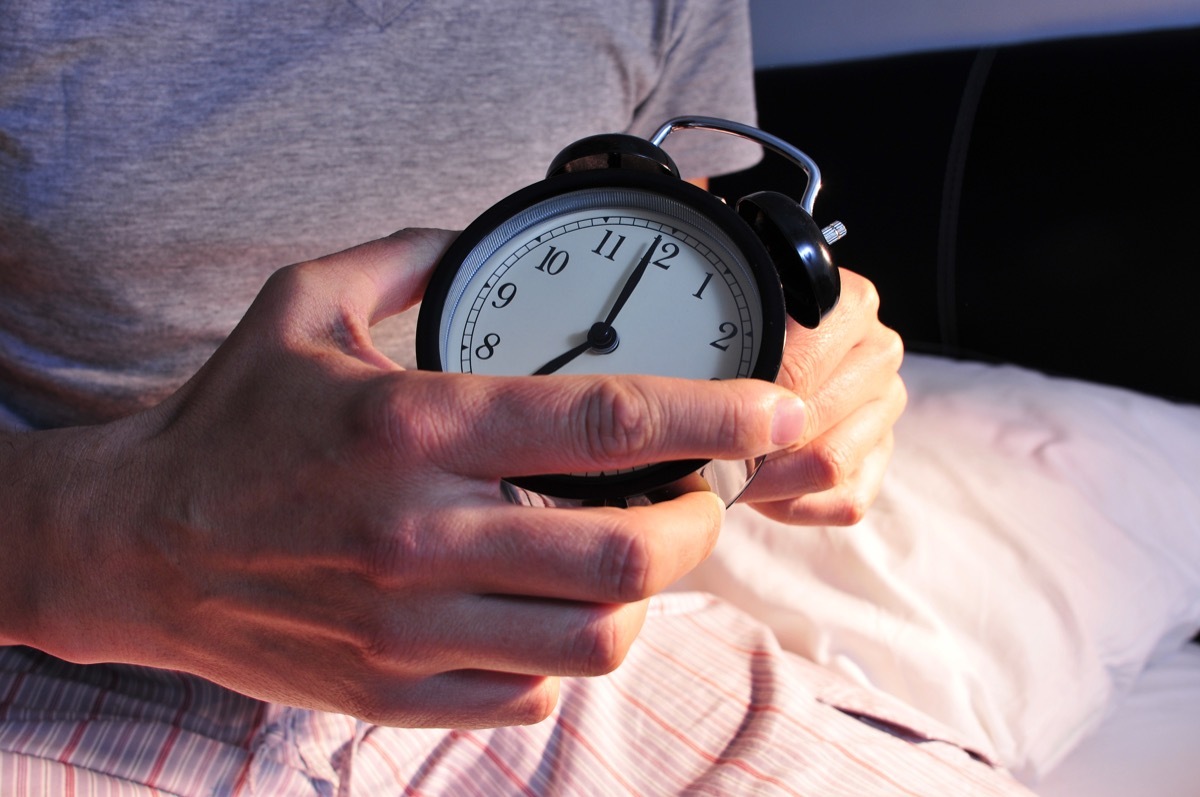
pixel 578 276
pixel 694 312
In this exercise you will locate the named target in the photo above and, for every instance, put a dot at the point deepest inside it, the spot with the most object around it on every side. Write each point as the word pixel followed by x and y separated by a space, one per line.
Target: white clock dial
pixel 534 290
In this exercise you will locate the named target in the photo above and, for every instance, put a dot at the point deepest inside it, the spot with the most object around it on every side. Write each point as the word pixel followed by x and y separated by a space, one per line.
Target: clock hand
pixel 601 337
pixel 632 282
pixel 563 359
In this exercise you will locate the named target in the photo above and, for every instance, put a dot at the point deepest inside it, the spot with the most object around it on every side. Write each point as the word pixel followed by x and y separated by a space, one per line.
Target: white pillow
pixel 1036 543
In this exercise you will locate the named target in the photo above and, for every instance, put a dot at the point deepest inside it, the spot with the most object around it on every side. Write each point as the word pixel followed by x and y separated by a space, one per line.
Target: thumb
pixel 384 277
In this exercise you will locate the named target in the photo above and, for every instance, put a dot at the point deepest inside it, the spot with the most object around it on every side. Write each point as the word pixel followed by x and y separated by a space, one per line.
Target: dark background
pixel 1036 204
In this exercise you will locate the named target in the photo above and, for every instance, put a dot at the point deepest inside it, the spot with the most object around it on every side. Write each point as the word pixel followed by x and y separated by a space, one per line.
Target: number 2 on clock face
pixel 694 312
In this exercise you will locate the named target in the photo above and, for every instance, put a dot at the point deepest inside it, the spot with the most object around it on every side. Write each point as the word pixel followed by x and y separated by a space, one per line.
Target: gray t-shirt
pixel 160 158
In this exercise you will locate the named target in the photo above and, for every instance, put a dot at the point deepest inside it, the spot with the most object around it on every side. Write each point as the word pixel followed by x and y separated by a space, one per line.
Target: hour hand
pixel 601 337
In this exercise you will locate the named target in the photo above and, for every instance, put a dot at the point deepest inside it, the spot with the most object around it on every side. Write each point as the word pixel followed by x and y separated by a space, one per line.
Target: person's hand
pixel 846 370
pixel 306 522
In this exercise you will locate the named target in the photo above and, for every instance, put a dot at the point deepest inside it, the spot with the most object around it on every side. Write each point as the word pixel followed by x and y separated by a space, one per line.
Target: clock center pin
pixel 603 338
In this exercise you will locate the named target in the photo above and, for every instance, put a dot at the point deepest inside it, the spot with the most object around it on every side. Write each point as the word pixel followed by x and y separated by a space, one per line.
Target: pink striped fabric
pixel 706 703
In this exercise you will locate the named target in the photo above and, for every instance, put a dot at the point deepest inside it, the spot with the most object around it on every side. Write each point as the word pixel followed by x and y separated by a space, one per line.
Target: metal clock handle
pixel 798 247
pixel 832 232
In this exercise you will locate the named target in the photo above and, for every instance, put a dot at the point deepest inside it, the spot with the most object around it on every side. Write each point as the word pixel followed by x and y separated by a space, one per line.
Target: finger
pixel 373 280
pixel 599 555
pixel 596 555
pixel 462 699
pixel 519 426
pixel 348 680
pixel 834 457
pixel 401 273
pixel 410 634
pixel 524 636
pixel 812 355
pixel 866 373
pixel 844 505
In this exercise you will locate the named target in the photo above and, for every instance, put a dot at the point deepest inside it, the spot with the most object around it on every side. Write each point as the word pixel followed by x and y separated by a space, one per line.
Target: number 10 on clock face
pixel 617 289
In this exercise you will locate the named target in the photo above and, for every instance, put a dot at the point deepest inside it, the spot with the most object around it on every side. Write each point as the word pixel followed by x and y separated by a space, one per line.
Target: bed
pixel 1031 571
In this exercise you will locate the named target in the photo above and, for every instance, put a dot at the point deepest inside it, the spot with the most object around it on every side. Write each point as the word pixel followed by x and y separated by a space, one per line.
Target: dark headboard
pixel 1036 204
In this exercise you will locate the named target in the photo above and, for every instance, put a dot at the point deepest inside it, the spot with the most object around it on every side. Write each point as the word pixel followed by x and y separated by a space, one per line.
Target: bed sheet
pixel 1147 745
pixel 1035 547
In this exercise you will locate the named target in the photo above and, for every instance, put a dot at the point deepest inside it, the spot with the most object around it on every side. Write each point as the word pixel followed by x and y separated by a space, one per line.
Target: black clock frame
pixel 659 476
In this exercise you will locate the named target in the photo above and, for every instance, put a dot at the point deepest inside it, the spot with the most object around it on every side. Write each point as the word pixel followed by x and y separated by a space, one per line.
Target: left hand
pixel 847 372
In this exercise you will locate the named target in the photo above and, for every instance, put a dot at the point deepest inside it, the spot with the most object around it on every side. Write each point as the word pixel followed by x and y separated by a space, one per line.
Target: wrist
pixel 59 531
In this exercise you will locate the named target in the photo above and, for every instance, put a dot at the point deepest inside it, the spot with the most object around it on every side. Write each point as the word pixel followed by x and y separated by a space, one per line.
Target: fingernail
pixel 787 426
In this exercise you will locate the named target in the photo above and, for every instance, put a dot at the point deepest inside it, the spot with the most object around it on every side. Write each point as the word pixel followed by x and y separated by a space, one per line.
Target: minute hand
pixel 632 282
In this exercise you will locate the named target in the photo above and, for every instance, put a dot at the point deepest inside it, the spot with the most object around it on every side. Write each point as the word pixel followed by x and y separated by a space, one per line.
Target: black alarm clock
pixel 615 265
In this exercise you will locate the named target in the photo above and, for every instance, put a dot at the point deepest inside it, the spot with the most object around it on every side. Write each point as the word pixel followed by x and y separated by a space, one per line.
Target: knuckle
pixel 280 307
pixel 869 296
pixel 365 704
pixel 851 509
pixel 799 369
pixel 382 641
pixel 625 566
pixel 860 290
pixel 283 281
pixel 741 420
pixel 364 690
pixel 833 508
pixel 899 394
pixel 351 700
pixel 294 285
pixel 377 643
pixel 383 701
pixel 390 420
pixel 617 419
pixel 599 648
pixel 536 705
pixel 891 347
pixel 829 466
pixel 398 555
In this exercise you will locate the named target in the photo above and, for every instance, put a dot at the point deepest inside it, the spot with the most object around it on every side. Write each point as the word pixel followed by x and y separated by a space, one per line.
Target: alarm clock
pixel 615 265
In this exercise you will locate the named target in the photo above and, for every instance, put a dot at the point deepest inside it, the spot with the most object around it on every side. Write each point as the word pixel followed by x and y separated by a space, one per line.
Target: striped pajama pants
pixel 705 703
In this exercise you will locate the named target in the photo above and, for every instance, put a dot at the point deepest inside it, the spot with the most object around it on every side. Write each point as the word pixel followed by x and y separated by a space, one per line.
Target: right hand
pixel 305 522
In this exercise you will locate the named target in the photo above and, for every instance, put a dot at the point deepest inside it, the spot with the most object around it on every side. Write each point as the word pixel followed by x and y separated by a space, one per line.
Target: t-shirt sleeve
pixel 706 70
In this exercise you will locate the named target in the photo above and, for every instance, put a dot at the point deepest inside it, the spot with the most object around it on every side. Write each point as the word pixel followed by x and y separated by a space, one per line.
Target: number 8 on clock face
pixel 614 265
